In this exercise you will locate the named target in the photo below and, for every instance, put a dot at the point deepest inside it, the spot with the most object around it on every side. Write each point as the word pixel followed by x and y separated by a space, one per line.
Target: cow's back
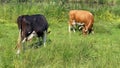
pixel 83 16
pixel 39 22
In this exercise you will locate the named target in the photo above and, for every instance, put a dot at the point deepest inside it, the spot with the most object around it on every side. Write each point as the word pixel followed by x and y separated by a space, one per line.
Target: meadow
pixel 63 49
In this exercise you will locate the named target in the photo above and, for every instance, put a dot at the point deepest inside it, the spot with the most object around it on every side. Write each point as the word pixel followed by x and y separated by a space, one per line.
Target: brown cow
pixel 83 18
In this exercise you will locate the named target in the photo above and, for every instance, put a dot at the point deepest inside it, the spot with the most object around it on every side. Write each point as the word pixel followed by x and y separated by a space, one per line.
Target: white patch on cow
pixel 81 24
pixel 31 35
pixel 24 40
pixel 28 32
pixel 44 39
pixel 80 27
pixel 73 23
pixel 18 51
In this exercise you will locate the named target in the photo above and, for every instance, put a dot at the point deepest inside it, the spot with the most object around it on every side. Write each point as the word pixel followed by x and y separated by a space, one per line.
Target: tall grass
pixel 63 50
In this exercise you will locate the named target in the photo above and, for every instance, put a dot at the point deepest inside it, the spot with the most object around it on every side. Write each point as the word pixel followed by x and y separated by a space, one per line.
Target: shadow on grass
pixel 118 26
pixel 37 44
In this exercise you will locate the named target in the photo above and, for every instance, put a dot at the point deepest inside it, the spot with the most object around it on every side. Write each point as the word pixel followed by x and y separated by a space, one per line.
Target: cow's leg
pixel 84 31
pixel 69 25
pixel 91 29
pixel 69 28
pixel 24 42
pixel 73 28
pixel 73 25
pixel 22 39
pixel 19 43
pixel 38 41
pixel 44 38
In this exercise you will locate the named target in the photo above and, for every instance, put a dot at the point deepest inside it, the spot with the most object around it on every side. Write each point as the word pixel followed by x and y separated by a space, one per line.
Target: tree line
pixel 110 2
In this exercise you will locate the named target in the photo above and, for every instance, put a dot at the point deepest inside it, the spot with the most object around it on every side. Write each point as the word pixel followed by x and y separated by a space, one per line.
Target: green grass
pixel 63 50
pixel 99 50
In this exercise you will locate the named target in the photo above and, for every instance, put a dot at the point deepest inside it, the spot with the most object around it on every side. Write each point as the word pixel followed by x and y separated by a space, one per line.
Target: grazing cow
pixel 82 18
pixel 29 26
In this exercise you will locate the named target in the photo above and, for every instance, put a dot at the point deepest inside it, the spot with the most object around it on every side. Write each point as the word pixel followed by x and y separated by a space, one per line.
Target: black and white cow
pixel 29 26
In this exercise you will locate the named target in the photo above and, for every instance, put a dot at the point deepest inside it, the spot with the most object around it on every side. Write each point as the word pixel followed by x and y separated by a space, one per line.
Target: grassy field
pixel 63 50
